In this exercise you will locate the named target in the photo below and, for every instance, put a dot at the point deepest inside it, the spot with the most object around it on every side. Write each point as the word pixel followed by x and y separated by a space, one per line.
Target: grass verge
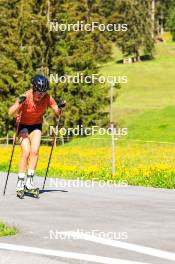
pixel 7 231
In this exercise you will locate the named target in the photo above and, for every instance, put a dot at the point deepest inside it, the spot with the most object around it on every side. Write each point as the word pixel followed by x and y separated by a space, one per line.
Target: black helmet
pixel 40 83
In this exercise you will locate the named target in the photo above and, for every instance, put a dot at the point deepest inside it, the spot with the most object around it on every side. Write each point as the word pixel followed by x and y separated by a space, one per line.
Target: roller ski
pixel 29 188
pixel 20 188
pixel 34 192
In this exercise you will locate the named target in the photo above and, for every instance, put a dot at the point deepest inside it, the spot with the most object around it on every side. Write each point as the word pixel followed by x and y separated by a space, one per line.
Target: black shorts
pixel 29 128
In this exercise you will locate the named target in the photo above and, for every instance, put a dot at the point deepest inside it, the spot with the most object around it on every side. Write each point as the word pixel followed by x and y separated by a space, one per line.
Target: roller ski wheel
pixel 20 188
pixel 33 192
pixel 20 194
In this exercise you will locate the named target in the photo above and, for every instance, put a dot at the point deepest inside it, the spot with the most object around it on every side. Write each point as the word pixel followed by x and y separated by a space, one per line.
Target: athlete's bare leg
pixel 25 147
pixel 35 139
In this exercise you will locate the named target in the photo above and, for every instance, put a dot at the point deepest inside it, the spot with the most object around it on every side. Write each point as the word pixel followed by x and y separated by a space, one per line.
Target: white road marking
pixel 65 254
pixel 133 247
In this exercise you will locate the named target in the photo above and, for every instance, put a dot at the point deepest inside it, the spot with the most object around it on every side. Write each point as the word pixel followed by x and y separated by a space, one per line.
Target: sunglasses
pixel 40 93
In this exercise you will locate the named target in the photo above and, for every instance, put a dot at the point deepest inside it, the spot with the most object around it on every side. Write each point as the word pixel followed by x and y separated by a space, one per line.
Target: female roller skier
pixel 30 109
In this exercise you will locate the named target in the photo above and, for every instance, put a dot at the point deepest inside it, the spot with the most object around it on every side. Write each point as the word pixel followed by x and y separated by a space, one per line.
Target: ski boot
pixel 20 188
pixel 29 187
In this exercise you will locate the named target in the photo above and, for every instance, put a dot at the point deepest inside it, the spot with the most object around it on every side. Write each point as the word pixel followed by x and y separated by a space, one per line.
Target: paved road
pixel 133 215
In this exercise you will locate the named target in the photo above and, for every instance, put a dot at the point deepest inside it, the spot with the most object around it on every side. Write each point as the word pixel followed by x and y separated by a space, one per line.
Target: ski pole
pixel 13 149
pixel 48 165
pixel 61 104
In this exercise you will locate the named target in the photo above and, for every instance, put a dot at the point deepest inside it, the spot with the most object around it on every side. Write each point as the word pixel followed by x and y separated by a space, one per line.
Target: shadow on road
pixel 46 191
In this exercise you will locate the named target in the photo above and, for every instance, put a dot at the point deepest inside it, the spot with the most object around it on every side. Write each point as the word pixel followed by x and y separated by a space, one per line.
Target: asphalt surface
pixel 136 215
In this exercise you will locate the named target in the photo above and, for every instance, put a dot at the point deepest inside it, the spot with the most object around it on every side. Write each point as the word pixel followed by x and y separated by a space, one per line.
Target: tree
pixel 138 16
pixel 169 22
pixel 28 47
pixel 107 7
pixel 164 16
pixel 22 48
pixel 77 52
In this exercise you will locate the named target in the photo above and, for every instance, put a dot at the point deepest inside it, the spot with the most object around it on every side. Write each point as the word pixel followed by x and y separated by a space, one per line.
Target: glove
pixel 61 103
pixel 22 98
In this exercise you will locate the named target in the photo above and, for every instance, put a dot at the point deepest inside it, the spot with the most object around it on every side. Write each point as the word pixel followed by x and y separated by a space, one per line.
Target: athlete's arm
pixel 56 107
pixel 56 110
pixel 14 109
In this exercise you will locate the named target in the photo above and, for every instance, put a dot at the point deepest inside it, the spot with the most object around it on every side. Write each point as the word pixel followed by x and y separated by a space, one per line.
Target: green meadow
pixel 146 104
